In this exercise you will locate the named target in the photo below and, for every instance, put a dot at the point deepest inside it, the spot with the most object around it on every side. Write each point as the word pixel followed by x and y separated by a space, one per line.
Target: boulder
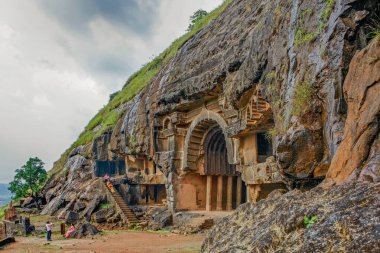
pixel 103 215
pixel 71 217
pixel 79 206
pixel 160 218
pixel 83 230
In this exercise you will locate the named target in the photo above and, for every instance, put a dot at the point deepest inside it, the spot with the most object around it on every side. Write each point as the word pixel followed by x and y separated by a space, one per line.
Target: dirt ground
pixel 111 242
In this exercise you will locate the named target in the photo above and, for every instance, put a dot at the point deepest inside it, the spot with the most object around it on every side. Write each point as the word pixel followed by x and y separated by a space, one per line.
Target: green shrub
pixel 326 12
pixel 309 222
pixel 2 212
pixel 302 97
pixel 105 205
pixel 272 93
pixel 303 37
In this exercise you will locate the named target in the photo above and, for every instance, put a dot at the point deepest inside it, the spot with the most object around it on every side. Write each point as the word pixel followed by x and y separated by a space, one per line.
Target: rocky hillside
pixel 347 220
pixel 303 57
pixel 347 215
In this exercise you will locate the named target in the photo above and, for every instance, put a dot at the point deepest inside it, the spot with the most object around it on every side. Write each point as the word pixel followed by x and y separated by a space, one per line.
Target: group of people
pixel 49 226
pixel 108 183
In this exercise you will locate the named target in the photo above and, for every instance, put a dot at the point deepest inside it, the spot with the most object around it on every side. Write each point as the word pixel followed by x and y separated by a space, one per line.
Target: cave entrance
pixel 223 184
pixel 264 147
pixel 152 194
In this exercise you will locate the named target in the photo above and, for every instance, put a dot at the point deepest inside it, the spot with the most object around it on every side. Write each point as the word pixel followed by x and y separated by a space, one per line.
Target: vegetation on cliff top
pixel 109 115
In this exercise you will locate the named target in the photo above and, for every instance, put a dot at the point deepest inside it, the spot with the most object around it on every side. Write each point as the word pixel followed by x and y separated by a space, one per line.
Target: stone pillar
pixel 238 191
pixel 219 194
pixel 229 193
pixel 208 193
pixel 253 192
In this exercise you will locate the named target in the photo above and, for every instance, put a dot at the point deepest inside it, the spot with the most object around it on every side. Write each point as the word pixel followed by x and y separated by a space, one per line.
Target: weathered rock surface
pixel 360 147
pixel 277 46
pixel 155 217
pixel 348 218
pixel 72 218
pixel 103 215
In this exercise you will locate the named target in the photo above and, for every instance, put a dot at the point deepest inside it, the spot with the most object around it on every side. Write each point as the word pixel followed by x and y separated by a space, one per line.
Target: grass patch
pixel 273 94
pixel 2 211
pixel 108 115
pixel 302 97
pixel 105 205
pixel 303 37
pixel 326 12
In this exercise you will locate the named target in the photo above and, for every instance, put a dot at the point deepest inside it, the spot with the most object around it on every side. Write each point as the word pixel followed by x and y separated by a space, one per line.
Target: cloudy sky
pixel 60 60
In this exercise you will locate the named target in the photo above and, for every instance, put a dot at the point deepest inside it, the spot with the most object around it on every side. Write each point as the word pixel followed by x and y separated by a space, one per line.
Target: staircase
pixel 131 217
pixel 120 205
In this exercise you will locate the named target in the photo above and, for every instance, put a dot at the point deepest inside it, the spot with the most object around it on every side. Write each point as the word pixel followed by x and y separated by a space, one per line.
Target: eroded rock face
pixel 348 219
pixel 277 46
pixel 360 148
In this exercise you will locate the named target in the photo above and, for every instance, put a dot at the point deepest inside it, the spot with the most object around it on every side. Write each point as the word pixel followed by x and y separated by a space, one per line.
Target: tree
pixel 112 96
pixel 29 180
pixel 198 15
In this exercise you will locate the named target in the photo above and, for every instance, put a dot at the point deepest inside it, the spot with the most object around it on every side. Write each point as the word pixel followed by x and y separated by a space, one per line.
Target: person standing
pixel 48 230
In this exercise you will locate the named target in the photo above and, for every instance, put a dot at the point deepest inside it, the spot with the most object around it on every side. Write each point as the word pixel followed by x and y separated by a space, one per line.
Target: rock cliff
pixel 302 57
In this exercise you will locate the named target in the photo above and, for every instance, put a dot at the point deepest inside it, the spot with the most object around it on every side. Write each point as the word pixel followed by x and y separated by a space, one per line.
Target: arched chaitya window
pixel 216 162
pixel 167 124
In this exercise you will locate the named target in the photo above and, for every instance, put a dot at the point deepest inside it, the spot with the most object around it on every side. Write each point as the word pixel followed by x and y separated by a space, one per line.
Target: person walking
pixel 48 230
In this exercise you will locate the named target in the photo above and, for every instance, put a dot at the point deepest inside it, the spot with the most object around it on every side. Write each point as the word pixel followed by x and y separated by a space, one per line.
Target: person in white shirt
pixel 48 229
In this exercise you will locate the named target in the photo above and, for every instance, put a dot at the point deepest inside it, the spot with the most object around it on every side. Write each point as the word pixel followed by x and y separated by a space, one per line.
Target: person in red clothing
pixel 110 186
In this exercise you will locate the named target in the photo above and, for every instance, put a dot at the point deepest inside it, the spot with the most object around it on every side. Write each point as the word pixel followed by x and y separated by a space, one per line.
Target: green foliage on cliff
pixel 196 17
pixel 2 211
pixel 302 97
pixel 108 116
pixel 303 37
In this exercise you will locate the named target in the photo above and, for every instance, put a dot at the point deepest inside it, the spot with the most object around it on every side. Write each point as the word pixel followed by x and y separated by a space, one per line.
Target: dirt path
pixel 115 242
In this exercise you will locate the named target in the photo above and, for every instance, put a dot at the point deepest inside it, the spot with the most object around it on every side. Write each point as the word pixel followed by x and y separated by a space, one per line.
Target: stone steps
pixel 128 213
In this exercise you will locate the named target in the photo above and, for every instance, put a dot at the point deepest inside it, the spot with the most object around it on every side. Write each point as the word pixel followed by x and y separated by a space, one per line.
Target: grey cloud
pixel 128 14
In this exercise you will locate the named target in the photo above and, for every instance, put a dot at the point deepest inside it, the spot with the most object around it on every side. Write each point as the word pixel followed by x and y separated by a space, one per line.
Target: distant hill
pixel 5 195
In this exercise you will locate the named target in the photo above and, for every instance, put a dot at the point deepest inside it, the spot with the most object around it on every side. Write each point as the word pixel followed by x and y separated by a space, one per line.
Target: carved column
pixel 219 194
pixel 208 193
pixel 253 192
pixel 229 193
pixel 238 191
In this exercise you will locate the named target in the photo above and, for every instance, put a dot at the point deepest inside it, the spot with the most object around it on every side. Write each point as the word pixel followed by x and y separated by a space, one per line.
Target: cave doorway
pixel 264 147
pixel 223 184
pixel 152 194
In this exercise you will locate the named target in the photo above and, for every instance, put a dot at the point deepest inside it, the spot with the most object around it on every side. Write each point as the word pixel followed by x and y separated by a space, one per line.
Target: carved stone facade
pixel 208 155
pixel 215 156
